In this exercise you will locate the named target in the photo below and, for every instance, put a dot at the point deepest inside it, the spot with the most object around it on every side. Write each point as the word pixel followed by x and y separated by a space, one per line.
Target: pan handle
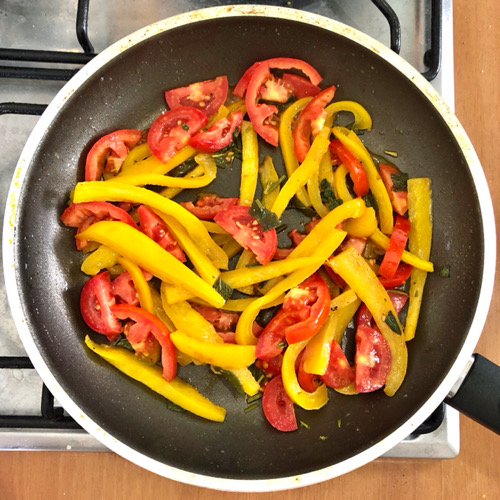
pixel 477 393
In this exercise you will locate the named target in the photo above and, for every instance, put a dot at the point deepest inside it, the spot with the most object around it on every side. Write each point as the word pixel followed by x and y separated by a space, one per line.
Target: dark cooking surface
pixel 128 93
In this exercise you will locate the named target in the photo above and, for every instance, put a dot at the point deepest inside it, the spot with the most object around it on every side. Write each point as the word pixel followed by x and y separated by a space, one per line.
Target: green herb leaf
pixel 328 195
pixel 123 342
pixel 399 181
pixel 339 422
pixel 303 424
pixel 173 407
pixel 255 397
pixel 251 407
pixel 444 272
pixel 185 126
pixel 394 154
pixel 230 377
pixel 392 323
pixel 267 219
pixel 222 288
pixel 370 201
pixel 323 438
pixel 271 186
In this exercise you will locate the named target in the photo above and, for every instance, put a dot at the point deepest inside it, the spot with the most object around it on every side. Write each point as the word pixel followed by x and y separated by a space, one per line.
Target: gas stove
pixel 44 43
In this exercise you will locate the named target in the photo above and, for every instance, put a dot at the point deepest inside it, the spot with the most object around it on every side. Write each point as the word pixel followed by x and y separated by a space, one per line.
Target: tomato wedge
pixel 207 96
pixel 246 230
pixel 372 360
pixel 96 300
pixel 397 243
pixel 398 197
pixel 219 135
pixel 223 321
pixel 364 316
pixel 277 406
pixel 310 121
pixel 172 130
pixel 153 226
pixel 338 373
pixel 109 152
pixel 356 170
pixel 206 207
pixel 124 289
pixel 148 324
pixel 308 381
pixel 300 86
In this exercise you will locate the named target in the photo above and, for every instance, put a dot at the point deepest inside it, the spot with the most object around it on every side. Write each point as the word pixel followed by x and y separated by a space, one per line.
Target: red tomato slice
pixel 308 381
pixel 248 232
pixel 275 89
pixel 399 199
pixel 207 96
pixel 154 226
pixel 111 148
pixel 223 321
pixel 372 360
pixel 172 130
pixel 124 289
pixel 364 316
pixel 338 373
pixel 277 406
pixel 150 324
pixel 272 339
pixel 208 206
pixel 219 135
pixel 310 121
pixel 271 366
pixel 96 300
pixel 143 342
pixel 356 170
pixel 300 86
pixel 400 277
pixel 397 243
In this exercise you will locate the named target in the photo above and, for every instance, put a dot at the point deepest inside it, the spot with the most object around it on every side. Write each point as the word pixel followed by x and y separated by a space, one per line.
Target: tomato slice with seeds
pixel 172 130
pixel 96 300
pixel 207 96
pixel 124 289
pixel 247 231
pixel 154 226
pixel 338 373
pixel 277 406
pixel 208 206
pixel 111 148
pixel 219 135
pixel 148 324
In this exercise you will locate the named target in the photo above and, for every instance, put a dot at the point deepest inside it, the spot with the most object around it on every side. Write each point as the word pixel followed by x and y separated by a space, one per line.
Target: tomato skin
pixel 207 207
pixel 372 360
pixel 219 135
pixel 356 170
pixel 399 199
pixel 310 121
pixel 277 406
pixel 154 226
pixel 338 373
pixel 397 243
pixel 308 381
pixel 400 277
pixel 115 145
pixel 207 96
pixel 150 324
pixel 172 130
pixel 96 300
pixel 245 229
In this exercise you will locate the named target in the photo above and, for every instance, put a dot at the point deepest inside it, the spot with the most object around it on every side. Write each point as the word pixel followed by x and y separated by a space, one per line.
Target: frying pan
pixel 123 88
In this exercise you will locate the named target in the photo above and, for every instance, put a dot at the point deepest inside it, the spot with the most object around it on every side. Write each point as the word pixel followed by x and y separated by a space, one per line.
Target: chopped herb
pixel 444 272
pixel 267 219
pixel 230 377
pixel 282 344
pixel 255 397
pixel 257 373
pixel 323 438
pixel 339 422
pixel 251 407
pixel 271 186
pixel 303 424
pixel 370 201
pixel 392 323
pixel 222 288
pixel 185 126
pixel 123 342
pixel 394 154
pixel 399 181
pixel 328 195
pixel 173 407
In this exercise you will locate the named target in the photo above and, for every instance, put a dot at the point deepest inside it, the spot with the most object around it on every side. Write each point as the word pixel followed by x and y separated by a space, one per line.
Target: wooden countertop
pixel 474 474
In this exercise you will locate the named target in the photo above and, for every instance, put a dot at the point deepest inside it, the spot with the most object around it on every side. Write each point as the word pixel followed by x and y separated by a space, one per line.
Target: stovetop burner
pixel 427 24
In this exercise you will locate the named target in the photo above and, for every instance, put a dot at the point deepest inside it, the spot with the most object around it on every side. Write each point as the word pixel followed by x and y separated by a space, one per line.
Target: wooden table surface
pixel 474 474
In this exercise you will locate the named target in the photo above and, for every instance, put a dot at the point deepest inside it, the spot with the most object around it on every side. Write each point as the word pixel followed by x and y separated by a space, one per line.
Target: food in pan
pixel 208 280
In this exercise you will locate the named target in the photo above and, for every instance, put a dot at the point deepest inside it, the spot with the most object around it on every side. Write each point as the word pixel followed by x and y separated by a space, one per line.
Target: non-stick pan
pixel 123 88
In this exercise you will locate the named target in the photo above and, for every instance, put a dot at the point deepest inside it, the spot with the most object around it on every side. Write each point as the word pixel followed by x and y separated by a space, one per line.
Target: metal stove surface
pixel 50 25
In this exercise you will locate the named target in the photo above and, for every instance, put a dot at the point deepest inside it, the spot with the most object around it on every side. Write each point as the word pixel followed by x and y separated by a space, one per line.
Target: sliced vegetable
pixel 395 248
pixel 277 406
pixel 398 192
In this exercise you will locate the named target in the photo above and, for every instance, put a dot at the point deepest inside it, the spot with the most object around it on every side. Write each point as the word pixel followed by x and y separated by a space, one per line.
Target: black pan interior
pixel 128 92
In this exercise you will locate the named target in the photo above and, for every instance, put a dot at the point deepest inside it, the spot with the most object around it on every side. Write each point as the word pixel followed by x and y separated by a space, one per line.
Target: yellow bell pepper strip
pixel 206 269
pixel 231 249
pixel 139 153
pixel 419 243
pixel 286 144
pixel 158 310
pixel 206 162
pixel 317 352
pixel 214 228
pixel 307 400
pixel 239 305
pixel 352 142
pixel 115 191
pixel 356 272
pixel 382 241
pixel 136 246
pixel 140 283
pixel 269 181
pixel 325 248
pixel 325 170
pixel 339 179
pixel 249 163
pixel 246 380
pixel 238 105
pixel 227 356
pixel 101 258
pixel 300 176
pixel 247 258
pixel 171 192
pixel 315 194
pixel 362 119
pixel 362 227
pixel 178 391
